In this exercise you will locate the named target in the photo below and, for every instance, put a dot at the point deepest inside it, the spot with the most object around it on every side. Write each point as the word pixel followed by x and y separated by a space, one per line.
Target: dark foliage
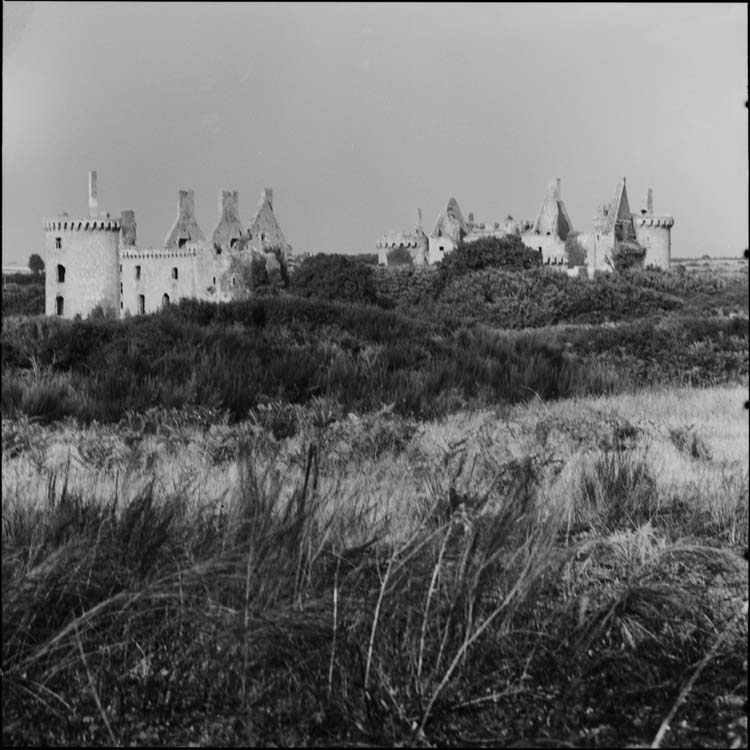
pixel 237 355
pixel 23 299
pixel 489 252
pixel 36 263
pixel 575 252
pixel 334 277
pixel 399 256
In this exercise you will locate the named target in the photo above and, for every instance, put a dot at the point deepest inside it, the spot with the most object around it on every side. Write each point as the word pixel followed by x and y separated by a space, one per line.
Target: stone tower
pixel 654 232
pixel 82 259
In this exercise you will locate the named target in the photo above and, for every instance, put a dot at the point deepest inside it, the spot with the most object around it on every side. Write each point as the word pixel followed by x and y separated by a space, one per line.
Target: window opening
pixel 181 243
pixel 174 273
pixel 141 304
pixel 137 273
pixel 59 303
pixel 165 300
pixel 58 243
pixel 60 273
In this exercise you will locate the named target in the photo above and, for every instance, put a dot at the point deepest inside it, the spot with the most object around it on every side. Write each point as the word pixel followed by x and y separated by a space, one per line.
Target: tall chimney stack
pixel 127 228
pixel 93 196
pixel 650 201
pixel 557 181
pixel 268 195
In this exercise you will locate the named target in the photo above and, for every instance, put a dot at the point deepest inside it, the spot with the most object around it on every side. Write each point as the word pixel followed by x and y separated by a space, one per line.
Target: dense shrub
pixel 237 355
pixel 407 285
pixel 628 255
pixel 575 252
pixel 26 299
pixel 334 277
pixel 24 279
pixel 399 256
pixel 489 252
pixel 369 259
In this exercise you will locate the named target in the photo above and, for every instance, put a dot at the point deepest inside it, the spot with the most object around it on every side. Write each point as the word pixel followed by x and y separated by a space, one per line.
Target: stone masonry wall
pixel 90 257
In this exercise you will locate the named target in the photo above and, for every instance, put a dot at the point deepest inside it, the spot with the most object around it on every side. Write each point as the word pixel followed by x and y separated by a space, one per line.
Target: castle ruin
pixel 94 262
pixel 615 229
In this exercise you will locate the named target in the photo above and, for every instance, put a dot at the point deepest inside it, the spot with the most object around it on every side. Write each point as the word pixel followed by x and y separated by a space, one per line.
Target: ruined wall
pixel 264 231
pixel 439 247
pixel 89 254
pixel 552 247
pixel 185 229
pixel 598 248
pixel 229 231
pixel 416 244
pixel 156 278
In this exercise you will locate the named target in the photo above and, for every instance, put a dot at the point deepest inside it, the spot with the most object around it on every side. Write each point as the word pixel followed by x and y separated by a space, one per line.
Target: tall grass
pixel 297 618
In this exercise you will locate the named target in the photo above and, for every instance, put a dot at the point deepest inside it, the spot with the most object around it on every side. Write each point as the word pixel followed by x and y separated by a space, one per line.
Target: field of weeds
pixel 565 573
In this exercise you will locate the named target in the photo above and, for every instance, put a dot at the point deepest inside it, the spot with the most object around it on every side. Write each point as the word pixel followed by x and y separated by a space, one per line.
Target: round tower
pixel 654 232
pixel 82 261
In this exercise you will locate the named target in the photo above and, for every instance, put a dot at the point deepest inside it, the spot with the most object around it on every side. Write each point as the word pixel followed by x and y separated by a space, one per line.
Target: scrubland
pixel 305 522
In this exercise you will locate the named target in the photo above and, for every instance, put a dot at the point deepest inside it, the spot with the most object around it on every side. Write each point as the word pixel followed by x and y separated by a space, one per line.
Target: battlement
pixel 184 252
pixel 66 224
pixel 653 220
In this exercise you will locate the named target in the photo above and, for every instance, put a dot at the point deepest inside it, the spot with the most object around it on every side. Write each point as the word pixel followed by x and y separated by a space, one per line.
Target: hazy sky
pixel 358 114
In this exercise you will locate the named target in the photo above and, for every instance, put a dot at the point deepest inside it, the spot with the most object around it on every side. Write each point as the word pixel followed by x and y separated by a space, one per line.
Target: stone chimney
pixel 93 196
pixel 268 196
pixel 127 228
pixel 557 185
pixel 650 201
pixel 186 204
pixel 185 228
pixel 419 219
pixel 228 203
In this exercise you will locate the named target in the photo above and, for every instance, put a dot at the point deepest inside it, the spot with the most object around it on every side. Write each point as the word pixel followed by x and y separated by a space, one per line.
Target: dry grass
pixel 558 572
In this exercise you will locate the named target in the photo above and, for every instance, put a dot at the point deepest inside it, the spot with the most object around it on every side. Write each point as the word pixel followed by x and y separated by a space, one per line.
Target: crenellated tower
pixel 82 261
pixel 654 232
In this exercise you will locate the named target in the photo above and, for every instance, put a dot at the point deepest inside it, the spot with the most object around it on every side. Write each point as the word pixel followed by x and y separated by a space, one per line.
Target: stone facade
pixel 614 228
pixel 415 243
pixel 95 262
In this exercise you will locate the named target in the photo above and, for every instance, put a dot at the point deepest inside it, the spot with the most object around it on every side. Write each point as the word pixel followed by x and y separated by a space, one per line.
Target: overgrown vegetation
pixel 334 277
pixel 257 523
pixel 287 612
pixel 238 355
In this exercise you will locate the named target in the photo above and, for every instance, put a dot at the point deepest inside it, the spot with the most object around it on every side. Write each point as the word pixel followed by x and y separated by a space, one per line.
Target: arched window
pixel 165 300
pixel 60 273
pixel 141 304
pixel 59 303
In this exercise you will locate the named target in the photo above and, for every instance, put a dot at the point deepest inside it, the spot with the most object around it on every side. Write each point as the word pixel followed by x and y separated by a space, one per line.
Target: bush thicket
pixel 334 277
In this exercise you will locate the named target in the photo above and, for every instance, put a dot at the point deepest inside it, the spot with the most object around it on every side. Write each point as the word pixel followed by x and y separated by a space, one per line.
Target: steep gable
pixel 553 218
pixel 619 216
pixel 450 223
pixel 185 228
pixel 264 231
pixel 228 232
